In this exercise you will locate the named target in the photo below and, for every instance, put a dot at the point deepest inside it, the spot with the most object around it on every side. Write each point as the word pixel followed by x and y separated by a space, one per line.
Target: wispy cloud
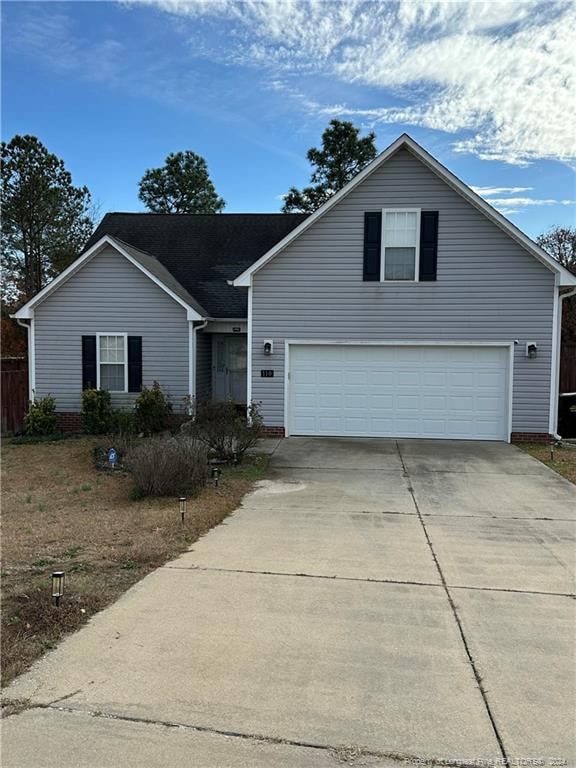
pixel 501 75
pixel 510 204
pixel 50 37
pixel 487 191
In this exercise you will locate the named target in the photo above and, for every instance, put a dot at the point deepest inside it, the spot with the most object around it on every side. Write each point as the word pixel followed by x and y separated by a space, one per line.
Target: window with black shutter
pixel 400 245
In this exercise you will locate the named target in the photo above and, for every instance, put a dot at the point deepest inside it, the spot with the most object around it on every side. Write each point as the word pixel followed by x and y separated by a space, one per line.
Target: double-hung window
pixel 112 362
pixel 400 244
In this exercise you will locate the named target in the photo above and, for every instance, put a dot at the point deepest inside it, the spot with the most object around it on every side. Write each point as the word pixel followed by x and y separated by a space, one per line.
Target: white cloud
pixel 509 204
pixel 50 36
pixel 487 191
pixel 501 75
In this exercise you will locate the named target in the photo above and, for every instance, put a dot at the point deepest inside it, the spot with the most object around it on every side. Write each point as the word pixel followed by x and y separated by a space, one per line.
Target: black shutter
pixel 88 362
pixel 428 244
pixel 372 245
pixel 134 363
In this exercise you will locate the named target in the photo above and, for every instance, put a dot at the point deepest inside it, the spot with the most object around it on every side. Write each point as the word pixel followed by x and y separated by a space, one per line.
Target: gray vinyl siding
pixel 203 366
pixel 109 295
pixel 488 289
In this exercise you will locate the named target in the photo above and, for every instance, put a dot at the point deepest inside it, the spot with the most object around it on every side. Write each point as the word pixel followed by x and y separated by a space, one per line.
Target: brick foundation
pixel 71 423
pixel 531 437
pixel 274 432
pixel 68 422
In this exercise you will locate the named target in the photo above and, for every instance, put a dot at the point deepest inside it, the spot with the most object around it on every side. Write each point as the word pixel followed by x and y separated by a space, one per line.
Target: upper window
pixel 112 362
pixel 400 244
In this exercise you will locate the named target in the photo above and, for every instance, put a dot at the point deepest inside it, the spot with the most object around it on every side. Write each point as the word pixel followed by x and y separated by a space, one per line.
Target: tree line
pixel 46 219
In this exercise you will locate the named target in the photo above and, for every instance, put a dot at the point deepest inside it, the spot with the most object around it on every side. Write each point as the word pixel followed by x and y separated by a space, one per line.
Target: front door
pixel 229 368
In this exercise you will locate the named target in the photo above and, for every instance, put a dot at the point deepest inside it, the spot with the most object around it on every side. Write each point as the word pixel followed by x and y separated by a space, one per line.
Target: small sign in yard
pixel 112 457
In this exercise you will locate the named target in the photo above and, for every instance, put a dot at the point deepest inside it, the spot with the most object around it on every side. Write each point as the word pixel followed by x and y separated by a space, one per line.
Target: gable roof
pixel 142 261
pixel 159 271
pixel 407 142
pixel 190 256
pixel 202 252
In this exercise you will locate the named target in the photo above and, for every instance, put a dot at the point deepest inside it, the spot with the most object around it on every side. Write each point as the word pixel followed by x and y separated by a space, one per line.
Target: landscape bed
pixel 61 513
pixel 563 459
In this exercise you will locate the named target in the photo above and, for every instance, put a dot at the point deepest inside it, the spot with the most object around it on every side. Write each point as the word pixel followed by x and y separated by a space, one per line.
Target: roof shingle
pixel 202 251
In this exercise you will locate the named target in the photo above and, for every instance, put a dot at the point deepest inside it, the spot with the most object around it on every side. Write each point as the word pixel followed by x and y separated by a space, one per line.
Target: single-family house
pixel 406 306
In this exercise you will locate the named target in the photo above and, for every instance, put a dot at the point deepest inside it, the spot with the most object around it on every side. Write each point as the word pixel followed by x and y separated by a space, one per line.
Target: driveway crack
pixel 340 752
pixel 454 610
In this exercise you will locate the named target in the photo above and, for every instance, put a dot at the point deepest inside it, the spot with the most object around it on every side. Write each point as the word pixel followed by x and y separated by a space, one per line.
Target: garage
pixel 455 391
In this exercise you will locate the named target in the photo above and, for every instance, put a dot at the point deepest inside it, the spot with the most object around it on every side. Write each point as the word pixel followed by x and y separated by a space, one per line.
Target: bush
pixel 41 417
pixel 151 409
pixel 123 423
pixel 168 465
pixel 123 431
pixel 225 430
pixel 96 411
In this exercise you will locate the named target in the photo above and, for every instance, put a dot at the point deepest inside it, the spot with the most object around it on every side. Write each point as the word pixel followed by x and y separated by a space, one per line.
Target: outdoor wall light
pixel 531 349
pixel 268 347
pixel 182 507
pixel 216 471
pixel 57 586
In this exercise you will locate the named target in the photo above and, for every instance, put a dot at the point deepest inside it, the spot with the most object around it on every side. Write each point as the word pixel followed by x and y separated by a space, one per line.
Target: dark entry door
pixel 229 369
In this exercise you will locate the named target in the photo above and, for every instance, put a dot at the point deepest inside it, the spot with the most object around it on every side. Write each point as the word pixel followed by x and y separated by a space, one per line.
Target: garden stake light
pixel 216 475
pixel 182 507
pixel 57 586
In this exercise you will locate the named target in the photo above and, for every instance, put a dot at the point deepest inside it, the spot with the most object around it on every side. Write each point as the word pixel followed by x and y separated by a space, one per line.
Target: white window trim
pixel 418 212
pixel 125 337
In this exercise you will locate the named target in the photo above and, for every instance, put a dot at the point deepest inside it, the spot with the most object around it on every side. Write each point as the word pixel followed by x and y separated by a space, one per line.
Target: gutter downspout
pixel 31 356
pixel 561 297
pixel 192 368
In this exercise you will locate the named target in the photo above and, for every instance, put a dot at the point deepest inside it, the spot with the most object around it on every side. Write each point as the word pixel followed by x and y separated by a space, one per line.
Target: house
pixel 405 306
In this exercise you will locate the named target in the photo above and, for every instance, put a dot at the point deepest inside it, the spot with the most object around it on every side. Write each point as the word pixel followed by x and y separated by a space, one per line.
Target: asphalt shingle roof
pixel 202 251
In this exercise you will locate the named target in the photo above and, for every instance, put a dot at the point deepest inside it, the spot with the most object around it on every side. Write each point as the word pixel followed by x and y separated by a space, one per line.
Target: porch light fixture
pixel 182 507
pixel 268 347
pixel 57 586
pixel 216 472
pixel 531 349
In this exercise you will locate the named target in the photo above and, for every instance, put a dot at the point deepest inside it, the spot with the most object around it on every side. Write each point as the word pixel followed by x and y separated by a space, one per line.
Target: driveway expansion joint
pixel 333 750
pixel 454 610
pixel 367 579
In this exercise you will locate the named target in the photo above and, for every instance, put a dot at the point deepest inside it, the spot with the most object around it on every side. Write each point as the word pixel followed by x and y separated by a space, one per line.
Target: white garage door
pixel 399 391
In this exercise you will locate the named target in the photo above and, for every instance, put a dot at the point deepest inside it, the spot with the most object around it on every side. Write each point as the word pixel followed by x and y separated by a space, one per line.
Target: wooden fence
pixel 568 368
pixel 14 393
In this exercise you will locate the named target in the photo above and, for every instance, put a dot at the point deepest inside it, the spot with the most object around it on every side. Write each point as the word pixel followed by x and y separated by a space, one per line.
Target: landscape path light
pixel 182 507
pixel 57 586
pixel 216 471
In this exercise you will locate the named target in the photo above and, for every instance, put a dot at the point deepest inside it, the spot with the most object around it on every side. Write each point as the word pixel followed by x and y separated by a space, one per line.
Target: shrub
pixel 96 411
pixel 151 409
pixel 123 430
pixel 41 417
pixel 224 429
pixel 123 422
pixel 167 465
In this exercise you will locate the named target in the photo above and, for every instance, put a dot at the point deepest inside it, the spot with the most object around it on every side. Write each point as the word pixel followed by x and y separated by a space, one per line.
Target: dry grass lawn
pixel 60 513
pixel 564 461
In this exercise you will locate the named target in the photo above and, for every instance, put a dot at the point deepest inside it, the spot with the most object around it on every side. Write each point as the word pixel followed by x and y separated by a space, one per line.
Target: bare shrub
pixel 168 465
pixel 226 431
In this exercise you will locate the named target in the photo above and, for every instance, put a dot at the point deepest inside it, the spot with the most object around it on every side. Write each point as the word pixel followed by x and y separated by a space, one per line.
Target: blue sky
pixel 113 87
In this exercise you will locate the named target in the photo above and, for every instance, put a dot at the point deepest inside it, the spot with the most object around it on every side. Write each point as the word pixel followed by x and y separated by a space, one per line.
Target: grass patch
pixel 563 461
pixel 104 540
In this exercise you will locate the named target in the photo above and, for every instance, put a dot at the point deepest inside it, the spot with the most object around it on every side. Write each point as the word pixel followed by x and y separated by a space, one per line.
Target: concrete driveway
pixel 375 602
